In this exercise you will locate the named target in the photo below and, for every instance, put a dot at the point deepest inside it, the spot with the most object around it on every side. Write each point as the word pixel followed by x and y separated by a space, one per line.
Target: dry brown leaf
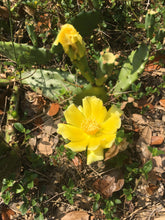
pixel 151 188
pixel 6 213
pixel 50 126
pixel 157 161
pixel 157 140
pixel 155 63
pixel 139 119
pixel 123 145
pixel 146 135
pixel 35 101
pixel 130 100
pixel 83 201
pixel 30 11
pixel 153 177
pixel 123 105
pixel 143 143
pixel 110 183
pixel 162 102
pixel 77 215
pixel 45 146
pixel 159 72
pixel 77 161
pixel 158 169
pixel 114 150
pixel 33 142
pixel 151 67
pixel 54 109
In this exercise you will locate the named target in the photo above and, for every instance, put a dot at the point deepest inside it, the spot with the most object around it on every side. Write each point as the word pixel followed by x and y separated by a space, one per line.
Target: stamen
pixel 90 126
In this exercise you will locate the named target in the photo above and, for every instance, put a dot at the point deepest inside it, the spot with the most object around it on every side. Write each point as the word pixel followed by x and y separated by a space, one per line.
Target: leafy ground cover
pixel 123 65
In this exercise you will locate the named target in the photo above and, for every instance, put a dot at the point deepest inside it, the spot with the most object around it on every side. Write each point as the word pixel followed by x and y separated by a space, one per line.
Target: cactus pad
pixel 24 54
pixel 51 83
pixel 131 69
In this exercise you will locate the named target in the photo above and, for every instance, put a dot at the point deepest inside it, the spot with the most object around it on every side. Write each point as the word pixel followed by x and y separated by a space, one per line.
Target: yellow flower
pixel 71 41
pixel 90 127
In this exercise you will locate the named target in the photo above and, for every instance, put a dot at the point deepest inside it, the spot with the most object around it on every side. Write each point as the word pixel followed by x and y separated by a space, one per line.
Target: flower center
pixel 90 126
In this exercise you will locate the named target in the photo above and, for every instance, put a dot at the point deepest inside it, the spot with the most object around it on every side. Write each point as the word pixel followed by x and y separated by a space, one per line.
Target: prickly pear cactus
pixel 105 67
pixel 85 71
pixel 52 84
pixel 24 54
pixel 98 91
pixel 32 34
pixel 150 23
pixel 131 69
pixel 86 22
pixel 160 35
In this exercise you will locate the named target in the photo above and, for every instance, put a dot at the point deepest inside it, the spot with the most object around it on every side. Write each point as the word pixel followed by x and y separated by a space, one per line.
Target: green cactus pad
pixel 52 84
pixel 105 67
pixel 160 35
pixel 99 92
pixel 131 69
pixel 150 23
pixel 86 22
pixel 24 54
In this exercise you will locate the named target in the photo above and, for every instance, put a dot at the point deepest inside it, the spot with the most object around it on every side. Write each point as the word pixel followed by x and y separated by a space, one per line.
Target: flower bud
pixel 72 42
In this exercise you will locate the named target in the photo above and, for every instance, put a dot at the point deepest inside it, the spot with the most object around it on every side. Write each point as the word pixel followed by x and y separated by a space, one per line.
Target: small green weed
pixel 119 137
pixel 19 127
pixel 111 208
pixel 70 191
pixel 128 193
pixel 59 153
pixel 150 90
pixel 70 154
pixel 96 197
pixel 24 190
pixel 146 168
pixel 155 151
pixel 134 172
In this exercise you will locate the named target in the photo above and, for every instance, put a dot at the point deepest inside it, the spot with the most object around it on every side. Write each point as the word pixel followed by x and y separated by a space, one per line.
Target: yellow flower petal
pixel 93 108
pixel 67 35
pixel 113 110
pixel 77 146
pixel 95 155
pixel 108 140
pixel 94 142
pixel 73 116
pixel 71 132
pixel 113 122
pixel 111 125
